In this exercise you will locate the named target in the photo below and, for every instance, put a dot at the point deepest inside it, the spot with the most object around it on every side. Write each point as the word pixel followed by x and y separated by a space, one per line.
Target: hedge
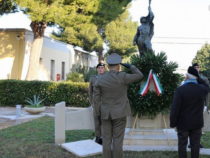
pixel 13 92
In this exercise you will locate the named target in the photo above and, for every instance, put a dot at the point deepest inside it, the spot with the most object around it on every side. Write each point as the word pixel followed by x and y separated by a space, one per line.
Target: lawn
pixel 35 139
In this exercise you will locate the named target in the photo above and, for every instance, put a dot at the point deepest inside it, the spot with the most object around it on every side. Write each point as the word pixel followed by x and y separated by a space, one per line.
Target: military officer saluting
pixel 111 104
pixel 197 67
pixel 206 101
pixel 100 69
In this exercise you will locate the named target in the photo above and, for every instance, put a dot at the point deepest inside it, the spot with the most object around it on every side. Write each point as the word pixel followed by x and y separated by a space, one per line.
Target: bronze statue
pixel 144 33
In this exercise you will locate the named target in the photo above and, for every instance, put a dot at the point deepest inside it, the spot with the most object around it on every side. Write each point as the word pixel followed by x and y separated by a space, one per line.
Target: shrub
pixel 92 71
pixel 75 77
pixel 13 92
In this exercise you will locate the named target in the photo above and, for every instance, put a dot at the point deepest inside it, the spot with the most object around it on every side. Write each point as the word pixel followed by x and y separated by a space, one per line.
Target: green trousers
pixel 113 130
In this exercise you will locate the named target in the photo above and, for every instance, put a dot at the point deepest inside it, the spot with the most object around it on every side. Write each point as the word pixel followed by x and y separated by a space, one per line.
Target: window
pixel 52 70
pixel 63 71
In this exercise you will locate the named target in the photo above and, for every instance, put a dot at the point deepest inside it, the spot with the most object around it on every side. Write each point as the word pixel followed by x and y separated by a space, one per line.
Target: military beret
pixel 195 64
pixel 191 70
pixel 100 64
pixel 114 59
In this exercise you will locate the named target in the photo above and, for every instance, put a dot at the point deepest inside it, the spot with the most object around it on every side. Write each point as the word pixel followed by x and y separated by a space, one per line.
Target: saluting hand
pixel 126 65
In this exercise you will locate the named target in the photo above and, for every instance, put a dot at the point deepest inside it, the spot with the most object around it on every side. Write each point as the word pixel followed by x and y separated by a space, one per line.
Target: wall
pixel 11 56
pixel 57 51
pixel 15 54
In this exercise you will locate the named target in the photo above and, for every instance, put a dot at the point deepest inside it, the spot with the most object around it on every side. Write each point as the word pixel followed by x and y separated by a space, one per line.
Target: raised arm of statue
pixel 151 15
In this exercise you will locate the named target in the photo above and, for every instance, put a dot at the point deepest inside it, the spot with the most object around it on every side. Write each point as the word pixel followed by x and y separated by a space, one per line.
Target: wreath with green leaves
pixel 151 104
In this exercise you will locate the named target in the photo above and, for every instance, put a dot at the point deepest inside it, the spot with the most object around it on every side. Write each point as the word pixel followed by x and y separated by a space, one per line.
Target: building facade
pixel 55 62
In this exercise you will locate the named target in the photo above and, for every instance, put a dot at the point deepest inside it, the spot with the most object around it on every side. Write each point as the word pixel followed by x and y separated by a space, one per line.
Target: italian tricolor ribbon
pixel 145 87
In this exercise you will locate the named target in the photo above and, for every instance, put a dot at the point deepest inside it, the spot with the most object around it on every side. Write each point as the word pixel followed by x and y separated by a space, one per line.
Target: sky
pixel 181 27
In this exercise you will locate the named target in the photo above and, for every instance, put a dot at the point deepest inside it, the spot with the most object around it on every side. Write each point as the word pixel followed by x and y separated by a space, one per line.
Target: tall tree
pixel 8 6
pixel 42 13
pixel 88 19
pixel 203 58
pixel 119 35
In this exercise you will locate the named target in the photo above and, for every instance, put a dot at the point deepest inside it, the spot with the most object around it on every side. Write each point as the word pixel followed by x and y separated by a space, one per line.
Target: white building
pixel 56 58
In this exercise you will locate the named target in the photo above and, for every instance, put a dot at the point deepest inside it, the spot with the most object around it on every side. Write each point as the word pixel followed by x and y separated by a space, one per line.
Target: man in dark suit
pixel 187 112
pixel 111 104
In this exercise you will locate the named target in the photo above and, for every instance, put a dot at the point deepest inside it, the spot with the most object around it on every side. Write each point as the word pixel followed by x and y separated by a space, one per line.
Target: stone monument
pixel 145 33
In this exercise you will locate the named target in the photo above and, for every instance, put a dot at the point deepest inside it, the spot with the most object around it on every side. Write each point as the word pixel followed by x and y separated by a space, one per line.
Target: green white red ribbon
pixel 145 87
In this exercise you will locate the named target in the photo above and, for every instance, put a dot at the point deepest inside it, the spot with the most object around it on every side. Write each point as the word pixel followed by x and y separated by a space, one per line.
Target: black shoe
pixel 98 140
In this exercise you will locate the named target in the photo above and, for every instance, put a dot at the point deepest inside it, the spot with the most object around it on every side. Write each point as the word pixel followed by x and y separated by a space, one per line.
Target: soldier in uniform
pixel 197 67
pixel 206 101
pixel 111 104
pixel 100 69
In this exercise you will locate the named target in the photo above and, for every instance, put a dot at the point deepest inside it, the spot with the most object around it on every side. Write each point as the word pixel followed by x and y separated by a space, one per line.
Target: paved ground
pixel 8 116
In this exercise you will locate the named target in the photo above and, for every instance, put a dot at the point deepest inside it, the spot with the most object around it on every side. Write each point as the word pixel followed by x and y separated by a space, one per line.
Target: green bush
pixel 13 92
pixel 92 71
pixel 75 77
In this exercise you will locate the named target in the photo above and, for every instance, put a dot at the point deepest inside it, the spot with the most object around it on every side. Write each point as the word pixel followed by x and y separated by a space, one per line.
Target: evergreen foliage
pixel 13 92
pixel 7 6
pixel 92 71
pixel 49 11
pixel 151 104
pixel 75 77
pixel 80 73
pixel 119 35
pixel 86 20
pixel 203 58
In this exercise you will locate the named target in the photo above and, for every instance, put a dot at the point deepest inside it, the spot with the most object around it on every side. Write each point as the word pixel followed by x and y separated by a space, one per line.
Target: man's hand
pixel 134 43
pixel 126 65
pixel 99 119
pixel 175 129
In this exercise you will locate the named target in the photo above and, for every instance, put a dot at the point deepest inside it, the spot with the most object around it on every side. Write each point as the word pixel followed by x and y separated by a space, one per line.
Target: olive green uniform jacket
pixel 96 122
pixel 110 93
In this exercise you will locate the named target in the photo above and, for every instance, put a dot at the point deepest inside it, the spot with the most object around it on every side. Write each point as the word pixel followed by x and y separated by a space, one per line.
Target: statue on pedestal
pixel 144 33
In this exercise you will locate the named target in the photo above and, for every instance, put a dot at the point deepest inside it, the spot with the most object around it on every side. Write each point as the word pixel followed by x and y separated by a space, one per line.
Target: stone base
pixel 150 137
pixel 146 123
pixel 83 148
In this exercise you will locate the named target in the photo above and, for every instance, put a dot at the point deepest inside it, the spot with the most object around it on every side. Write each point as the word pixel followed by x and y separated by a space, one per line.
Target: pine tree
pixel 42 13
pixel 119 35
pixel 203 58
pixel 87 20
pixel 7 6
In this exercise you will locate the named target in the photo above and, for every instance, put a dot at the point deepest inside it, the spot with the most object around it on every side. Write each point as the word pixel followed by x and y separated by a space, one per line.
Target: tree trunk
pixel 100 55
pixel 38 29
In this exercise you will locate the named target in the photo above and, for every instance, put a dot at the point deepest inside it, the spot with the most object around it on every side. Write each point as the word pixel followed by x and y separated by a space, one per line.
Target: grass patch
pixel 205 140
pixel 35 139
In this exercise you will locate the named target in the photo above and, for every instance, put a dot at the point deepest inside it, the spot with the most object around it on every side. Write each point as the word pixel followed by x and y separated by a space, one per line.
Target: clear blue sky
pixel 182 27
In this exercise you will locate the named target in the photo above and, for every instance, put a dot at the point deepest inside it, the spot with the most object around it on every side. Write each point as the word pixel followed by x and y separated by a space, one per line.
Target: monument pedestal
pixel 150 132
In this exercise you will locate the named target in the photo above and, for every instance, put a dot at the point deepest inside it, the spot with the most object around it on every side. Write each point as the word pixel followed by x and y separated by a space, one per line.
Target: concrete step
pixel 148 140
pixel 146 131
pixel 150 137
